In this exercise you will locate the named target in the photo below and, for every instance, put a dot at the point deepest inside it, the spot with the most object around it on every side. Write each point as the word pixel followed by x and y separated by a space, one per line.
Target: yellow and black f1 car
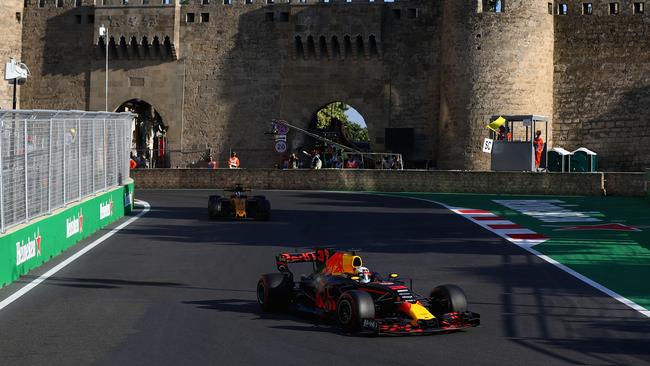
pixel 238 205
pixel 362 305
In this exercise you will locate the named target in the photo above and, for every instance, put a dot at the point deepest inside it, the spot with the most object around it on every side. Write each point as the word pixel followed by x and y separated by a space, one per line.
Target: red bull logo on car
pixel 74 225
pixel 30 249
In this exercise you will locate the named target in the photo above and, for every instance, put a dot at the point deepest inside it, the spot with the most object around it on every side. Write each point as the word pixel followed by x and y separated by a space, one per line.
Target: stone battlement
pixel 426 75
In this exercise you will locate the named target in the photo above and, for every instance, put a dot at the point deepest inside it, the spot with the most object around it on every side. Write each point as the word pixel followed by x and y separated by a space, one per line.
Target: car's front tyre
pixel 352 308
pixel 448 299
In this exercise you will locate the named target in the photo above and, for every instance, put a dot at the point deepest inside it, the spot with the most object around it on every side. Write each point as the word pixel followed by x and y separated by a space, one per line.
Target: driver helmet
pixel 364 274
pixel 238 193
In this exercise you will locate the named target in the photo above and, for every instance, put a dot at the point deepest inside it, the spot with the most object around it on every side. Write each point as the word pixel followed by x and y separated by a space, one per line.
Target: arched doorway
pixel 342 123
pixel 149 142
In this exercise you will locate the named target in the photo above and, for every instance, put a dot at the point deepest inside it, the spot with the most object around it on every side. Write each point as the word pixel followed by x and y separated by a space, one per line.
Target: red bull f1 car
pixel 238 205
pixel 360 301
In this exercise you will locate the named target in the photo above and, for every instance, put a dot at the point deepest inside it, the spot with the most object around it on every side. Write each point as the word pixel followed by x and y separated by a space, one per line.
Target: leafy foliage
pixel 336 111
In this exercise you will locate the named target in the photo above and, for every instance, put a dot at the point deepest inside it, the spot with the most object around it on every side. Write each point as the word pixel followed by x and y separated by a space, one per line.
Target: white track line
pixel 526 244
pixel 16 295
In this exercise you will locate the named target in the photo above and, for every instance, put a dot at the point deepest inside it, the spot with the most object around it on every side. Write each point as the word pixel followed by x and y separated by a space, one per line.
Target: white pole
pixel 64 175
pixel 2 200
pixel 26 188
pixel 92 161
pixel 49 174
pixel 79 158
pixel 106 84
pixel 104 137
pixel 103 31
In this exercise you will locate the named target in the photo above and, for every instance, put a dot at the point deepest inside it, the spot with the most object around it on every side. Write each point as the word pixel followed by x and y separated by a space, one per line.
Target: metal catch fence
pixel 51 158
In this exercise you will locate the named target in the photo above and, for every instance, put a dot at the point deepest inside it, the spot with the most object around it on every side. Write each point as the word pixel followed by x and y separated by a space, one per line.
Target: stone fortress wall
pixel 218 73
pixel 11 18
pixel 602 82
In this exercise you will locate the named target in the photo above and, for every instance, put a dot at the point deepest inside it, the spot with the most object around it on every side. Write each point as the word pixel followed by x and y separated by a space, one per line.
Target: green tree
pixel 336 110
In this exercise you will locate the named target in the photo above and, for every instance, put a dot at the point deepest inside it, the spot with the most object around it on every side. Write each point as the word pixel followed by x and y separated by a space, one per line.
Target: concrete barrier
pixel 28 246
pixel 625 184
pixel 586 184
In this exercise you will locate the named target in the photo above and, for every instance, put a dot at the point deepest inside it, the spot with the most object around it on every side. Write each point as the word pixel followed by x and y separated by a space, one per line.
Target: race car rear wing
pixel 318 256
pixel 328 261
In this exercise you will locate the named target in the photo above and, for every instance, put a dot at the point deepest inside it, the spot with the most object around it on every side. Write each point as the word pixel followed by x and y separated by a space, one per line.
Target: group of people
pixel 138 161
pixel 316 161
pixel 232 163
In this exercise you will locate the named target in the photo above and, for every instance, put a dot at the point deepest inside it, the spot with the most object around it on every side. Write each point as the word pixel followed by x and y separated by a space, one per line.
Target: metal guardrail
pixel 51 158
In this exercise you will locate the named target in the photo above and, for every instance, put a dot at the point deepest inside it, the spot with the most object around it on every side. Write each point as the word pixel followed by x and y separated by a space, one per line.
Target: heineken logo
pixel 26 250
pixel 106 209
pixel 74 225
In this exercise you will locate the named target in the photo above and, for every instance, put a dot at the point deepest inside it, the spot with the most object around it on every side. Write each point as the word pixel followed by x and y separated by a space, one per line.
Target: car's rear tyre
pixel 213 207
pixel 263 211
pixel 354 306
pixel 448 299
pixel 223 209
pixel 273 291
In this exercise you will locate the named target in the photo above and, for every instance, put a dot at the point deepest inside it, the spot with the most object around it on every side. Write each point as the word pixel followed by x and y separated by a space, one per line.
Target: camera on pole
pixel 17 73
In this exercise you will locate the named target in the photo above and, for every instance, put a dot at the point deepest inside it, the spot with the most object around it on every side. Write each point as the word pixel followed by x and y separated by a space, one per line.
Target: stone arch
pixel 298 47
pixel 372 46
pixel 336 47
pixel 361 51
pixel 322 47
pixel 311 47
pixel 148 130
pixel 336 129
pixel 347 47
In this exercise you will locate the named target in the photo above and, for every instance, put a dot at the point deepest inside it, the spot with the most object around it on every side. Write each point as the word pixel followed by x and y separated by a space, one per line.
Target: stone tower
pixel 491 63
pixel 11 17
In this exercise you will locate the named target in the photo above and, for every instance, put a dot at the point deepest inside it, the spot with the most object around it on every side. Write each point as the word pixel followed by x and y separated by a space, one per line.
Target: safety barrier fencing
pixel 49 159
pixel 28 247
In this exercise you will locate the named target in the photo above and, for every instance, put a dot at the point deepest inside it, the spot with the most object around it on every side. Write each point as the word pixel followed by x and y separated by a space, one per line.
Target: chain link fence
pixel 51 158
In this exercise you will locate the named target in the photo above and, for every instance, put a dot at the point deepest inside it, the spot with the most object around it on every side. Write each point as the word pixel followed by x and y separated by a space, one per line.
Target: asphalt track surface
pixel 173 288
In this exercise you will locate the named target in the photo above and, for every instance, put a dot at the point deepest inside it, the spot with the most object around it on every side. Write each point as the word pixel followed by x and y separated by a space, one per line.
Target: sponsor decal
pixel 607 227
pixel 74 225
pixel 106 209
pixel 128 199
pixel 549 210
pixel 30 249
pixel 369 323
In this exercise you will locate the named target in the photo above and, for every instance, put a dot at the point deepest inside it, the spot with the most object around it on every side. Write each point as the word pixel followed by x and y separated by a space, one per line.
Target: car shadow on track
pixel 311 323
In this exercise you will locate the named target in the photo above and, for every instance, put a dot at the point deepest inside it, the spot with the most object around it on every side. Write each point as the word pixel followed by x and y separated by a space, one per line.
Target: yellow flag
pixel 494 125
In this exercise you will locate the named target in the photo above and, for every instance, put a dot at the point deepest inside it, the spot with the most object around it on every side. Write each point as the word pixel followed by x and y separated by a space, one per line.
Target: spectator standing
pixel 397 163
pixel 293 161
pixel 316 162
pixel 538 143
pixel 233 162
pixel 351 163
pixel 211 163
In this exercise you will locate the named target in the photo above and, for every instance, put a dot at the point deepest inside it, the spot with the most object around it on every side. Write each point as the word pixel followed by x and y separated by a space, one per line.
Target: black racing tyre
pixel 223 209
pixel 273 291
pixel 448 299
pixel 263 210
pixel 213 210
pixel 354 306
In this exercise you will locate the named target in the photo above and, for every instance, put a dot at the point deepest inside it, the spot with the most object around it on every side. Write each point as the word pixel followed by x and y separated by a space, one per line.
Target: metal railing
pixel 51 158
